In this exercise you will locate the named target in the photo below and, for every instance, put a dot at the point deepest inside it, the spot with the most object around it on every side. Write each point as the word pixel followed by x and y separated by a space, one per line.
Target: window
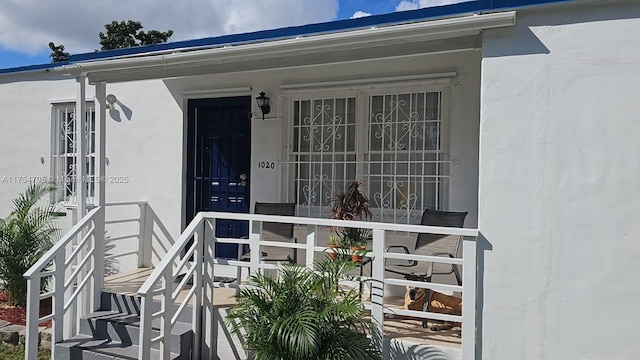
pixel 394 144
pixel 63 151
pixel 324 133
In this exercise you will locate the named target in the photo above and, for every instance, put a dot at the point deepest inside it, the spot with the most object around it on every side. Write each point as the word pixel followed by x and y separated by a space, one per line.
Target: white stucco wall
pixel 463 108
pixel 25 129
pixel 560 185
pixel 146 129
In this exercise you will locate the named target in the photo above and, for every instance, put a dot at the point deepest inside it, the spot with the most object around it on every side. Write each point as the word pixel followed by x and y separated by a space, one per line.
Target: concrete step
pixel 131 304
pixel 114 332
pixel 125 328
pixel 84 347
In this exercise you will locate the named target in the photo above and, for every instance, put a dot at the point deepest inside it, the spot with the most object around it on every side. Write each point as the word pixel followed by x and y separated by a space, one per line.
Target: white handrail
pixel 164 273
pixel 202 274
pixel 64 241
pixel 77 269
pixel 67 298
pixel 166 261
pixel 344 223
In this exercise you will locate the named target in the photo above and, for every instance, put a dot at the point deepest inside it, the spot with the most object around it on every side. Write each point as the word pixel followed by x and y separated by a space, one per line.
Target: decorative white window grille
pixel 400 156
pixel 324 153
pixel 404 155
pixel 64 148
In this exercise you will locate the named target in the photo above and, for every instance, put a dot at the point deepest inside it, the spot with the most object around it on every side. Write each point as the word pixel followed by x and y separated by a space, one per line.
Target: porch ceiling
pixel 436 36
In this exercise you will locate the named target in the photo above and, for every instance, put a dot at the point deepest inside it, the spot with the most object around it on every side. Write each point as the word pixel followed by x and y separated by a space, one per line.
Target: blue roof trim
pixel 293 31
pixel 319 28
pixel 32 67
pixel 473 6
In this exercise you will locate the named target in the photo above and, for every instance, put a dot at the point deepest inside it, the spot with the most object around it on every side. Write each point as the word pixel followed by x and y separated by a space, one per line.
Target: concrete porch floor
pixel 399 328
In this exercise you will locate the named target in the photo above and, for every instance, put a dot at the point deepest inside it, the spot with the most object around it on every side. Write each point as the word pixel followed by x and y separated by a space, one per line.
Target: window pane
pixel 404 167
pixel 325 129
pixel 404 170
pixel 64 148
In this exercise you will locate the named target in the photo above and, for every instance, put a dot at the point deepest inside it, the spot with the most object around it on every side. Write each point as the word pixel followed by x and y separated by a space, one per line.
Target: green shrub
pixel 16 352
pixel 25 235
pixel 303 315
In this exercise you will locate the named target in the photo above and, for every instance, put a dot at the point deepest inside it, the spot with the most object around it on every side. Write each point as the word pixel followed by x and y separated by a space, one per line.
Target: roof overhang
pixel 298 51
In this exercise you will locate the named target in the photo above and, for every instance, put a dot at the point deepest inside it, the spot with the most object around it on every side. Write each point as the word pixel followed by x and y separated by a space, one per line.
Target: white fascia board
pixel 418 31
pixel 364 82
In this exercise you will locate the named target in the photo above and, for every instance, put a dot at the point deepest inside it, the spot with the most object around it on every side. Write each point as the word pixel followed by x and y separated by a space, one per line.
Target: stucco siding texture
pixel 559 185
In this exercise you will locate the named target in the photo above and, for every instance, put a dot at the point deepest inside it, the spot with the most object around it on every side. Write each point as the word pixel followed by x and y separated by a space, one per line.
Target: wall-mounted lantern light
pixel 111 100
pixel 263 104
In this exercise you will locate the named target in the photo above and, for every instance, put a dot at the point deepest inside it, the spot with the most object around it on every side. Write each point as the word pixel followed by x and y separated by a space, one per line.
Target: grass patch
pixel 13 352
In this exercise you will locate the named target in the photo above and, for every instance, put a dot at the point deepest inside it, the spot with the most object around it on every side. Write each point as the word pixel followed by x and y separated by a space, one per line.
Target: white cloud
pixel 418 4
pixel 407 5
pixel 359 14
pixel 27 26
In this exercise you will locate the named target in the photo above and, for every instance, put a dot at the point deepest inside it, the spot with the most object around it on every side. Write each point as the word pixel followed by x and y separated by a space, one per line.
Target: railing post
pixel 312 231
pixel 71 315
pixel 58 299
pixel 145 237
pixel 377 289
pixel 469 273
pixel 33 316
pixel 208 329
pixel 254 246
pixel 196 325
pixel 98 258
pixel 144 351
pixel 167 314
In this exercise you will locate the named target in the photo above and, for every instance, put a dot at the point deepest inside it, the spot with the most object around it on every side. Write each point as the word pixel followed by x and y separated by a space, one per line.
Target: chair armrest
pixel 430 268
pixel 406 251
pixel 443 254
pixel 294 252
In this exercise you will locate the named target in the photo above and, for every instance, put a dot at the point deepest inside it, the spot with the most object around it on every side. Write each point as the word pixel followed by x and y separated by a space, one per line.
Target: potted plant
pixel 351 204
pixel 304 315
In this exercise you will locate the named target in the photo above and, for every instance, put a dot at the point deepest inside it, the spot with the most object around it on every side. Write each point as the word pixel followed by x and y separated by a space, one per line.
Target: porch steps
pixel 113 332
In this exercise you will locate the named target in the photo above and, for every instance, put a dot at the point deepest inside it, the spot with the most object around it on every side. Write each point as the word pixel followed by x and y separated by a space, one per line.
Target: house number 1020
pixel 266 165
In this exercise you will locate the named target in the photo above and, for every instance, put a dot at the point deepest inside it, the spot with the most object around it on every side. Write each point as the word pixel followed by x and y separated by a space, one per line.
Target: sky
pixel 27 26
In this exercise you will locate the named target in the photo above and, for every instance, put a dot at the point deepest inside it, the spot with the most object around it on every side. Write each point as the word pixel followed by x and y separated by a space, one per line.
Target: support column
pixel 81 146
pixel 82 305
pixel 99 195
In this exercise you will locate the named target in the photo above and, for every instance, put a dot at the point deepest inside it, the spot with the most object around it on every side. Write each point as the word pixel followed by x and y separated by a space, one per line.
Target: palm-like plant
pixel 303 315
pixel 25 235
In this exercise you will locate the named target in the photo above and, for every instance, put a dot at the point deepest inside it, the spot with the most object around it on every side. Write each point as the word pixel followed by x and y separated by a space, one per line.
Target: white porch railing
pixel 131 235
pixel 70 265
pixel 193 256
pixel 134 237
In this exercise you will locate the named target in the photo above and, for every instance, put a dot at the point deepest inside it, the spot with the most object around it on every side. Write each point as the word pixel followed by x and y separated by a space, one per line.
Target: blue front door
pixel 218 159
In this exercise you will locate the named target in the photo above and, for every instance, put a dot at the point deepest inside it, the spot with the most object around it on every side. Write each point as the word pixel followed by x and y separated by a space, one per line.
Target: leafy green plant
pixel 304 314
pixel 25 235
pixel 351 204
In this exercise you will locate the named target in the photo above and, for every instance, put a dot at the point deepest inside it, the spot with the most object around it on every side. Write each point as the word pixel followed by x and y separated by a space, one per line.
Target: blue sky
pixel 27 26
